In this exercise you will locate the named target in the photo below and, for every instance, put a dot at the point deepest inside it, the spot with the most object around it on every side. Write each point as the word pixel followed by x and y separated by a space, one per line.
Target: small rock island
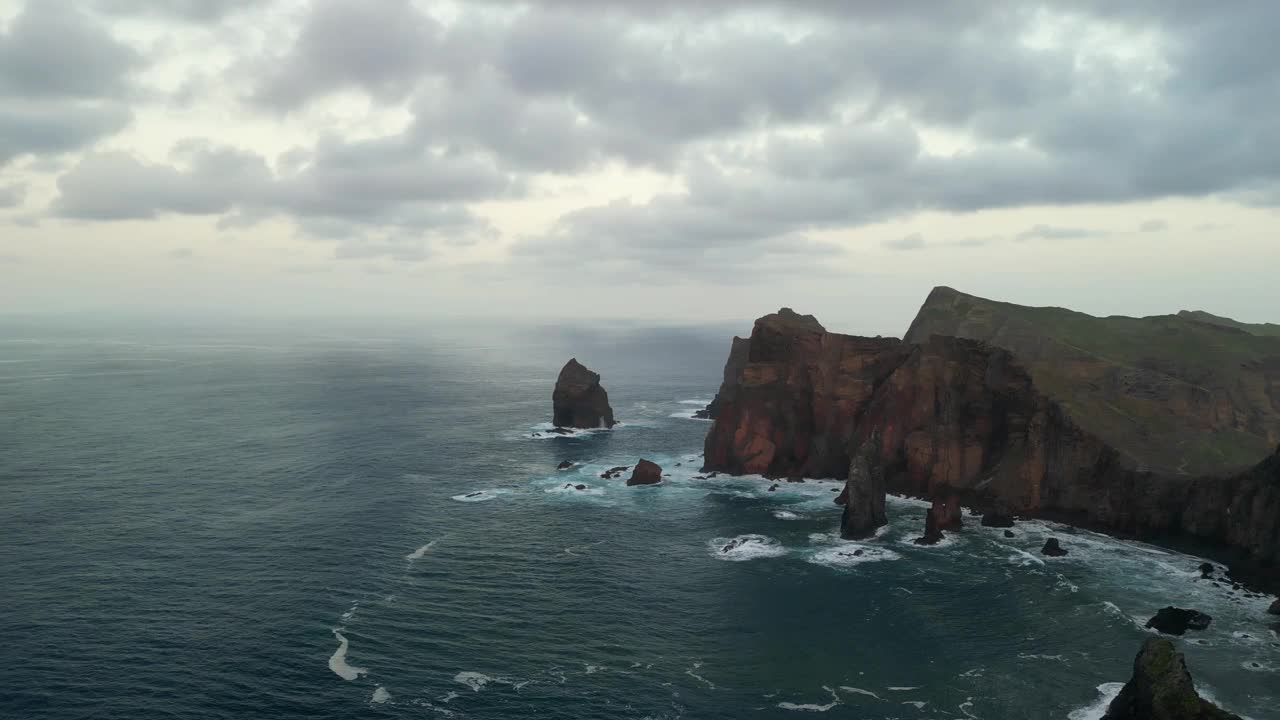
pixel 578 400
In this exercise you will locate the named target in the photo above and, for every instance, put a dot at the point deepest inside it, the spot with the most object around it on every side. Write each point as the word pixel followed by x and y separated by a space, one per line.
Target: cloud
pixel 380 46
pixel 12 195
pixel 1153 226
pixel 914 241
pixel 1048 232
pixel 50 127
pixel 53 50
pixel 195 11
pixel 339 190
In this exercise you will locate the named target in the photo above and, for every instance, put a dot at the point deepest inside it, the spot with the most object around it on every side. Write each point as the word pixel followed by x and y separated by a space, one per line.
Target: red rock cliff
pixel 958 419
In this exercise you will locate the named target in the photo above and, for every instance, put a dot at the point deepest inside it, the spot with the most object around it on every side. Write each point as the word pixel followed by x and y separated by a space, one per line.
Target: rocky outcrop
pixel 578 400
pixel 1177 621
pixel 863 495
pixel 791 398
pixel 1053 548
pixel 1275 608
pixel 960 421
pixel 932 533
pixel 1162 689
pixel 645 473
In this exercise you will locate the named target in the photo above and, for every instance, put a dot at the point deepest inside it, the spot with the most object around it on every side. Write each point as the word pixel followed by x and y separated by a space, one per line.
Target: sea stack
pixel 863 494
pixel 579 401
pixel 646 472
pixel 1161 689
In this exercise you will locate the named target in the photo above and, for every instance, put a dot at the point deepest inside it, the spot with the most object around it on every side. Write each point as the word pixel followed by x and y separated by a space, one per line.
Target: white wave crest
pixel 473 680
pixel 478 495
pixel 338 661
pixel 851 554
pixel 380 695
pixel 1095 710
pixel 745 547
pixel 420 552
pixel 813 707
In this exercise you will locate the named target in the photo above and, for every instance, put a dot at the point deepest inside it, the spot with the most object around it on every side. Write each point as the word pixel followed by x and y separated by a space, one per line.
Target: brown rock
pixel 578 400
pixel 646 473
pixel 1162 689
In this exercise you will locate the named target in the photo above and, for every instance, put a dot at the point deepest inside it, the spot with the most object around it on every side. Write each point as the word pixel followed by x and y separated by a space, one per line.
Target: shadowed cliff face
pixel 958 420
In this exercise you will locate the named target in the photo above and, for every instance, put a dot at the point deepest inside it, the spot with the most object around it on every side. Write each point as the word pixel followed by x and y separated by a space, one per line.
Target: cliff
pixel 578 399
pixel 1188 394
pixel 959 420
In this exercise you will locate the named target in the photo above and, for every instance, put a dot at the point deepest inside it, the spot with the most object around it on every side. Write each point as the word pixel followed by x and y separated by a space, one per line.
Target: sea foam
pixel 1095 710
pixel 745 547
pixel 420 552
pixel 338 661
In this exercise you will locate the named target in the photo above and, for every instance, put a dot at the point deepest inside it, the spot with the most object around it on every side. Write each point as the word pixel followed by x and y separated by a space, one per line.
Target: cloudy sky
pixel 638 158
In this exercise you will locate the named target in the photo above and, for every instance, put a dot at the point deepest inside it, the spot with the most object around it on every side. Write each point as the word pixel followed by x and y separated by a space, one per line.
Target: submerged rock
pixel 564 465
pixel 1052 548
pixel 1162 689
pixel 1176 621
pixel 1008 533
pixel 646 473
pixel 1206 570
pixel 579 401
pixel 614 472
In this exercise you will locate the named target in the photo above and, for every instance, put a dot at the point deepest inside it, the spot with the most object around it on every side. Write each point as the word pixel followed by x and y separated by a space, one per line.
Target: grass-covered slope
pixel 1189 393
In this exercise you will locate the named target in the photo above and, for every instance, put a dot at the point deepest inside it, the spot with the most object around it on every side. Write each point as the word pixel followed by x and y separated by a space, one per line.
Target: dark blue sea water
pixel 271 520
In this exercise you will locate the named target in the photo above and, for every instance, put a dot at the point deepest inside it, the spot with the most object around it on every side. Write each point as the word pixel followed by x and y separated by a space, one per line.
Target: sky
pixel 638 159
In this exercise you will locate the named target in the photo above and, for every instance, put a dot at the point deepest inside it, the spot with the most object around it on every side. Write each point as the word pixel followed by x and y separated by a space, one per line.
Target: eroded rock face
pixel 955 418
pixel 646 472
pixel 1162 689
pixel 791 395
pixel 578 400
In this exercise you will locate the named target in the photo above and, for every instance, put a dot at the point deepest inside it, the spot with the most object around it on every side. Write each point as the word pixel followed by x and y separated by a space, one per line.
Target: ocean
pixel 215 519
